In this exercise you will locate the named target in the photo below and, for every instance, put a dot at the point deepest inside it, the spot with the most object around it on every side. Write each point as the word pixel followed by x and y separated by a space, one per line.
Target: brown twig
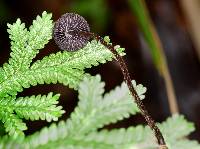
pixel 65 34
pixel 138 101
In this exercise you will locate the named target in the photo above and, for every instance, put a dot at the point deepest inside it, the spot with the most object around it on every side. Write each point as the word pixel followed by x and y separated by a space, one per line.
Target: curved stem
pixel 127 78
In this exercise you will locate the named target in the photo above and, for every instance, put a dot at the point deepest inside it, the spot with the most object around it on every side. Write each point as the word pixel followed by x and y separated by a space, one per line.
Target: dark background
pixel 114 18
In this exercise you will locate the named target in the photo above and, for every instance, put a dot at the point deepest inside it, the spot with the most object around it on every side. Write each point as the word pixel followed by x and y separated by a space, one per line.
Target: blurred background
pixel 168 66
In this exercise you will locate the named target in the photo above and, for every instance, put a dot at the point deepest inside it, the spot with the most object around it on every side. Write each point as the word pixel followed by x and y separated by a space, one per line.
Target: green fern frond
pixel 80 131
pixel 138 137
pixel 38 107
pixel 33 108
pixel 53 133
pixel 176 128
pixel 18 35
pixel 12 123
pixel 94 109
pixel 122 93
pixel 141 137
pixel 41 31
pixel 90 114
pixel 25 44
pixel 94 112
pixel 76 144
pixel 56 137
pixel 186 144
pixel 173 123
pixel 63 67
pixel 93 53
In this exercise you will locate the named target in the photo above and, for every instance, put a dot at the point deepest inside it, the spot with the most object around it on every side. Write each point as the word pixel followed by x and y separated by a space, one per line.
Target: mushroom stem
pixel 127 78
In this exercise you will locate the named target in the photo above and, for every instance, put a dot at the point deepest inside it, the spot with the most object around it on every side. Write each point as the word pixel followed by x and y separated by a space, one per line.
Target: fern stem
pixel 139 102
pixel 127 78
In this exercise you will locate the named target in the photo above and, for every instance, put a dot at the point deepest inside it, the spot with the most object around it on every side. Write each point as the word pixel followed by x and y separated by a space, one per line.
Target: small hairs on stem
pixel 72 32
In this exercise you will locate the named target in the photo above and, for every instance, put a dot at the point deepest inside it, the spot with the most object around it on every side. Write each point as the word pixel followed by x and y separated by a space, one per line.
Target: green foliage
pixel 37 107
pixel 96 110
pixel 84 128
pixel 63 67
pixel 144 22
pixel 175 131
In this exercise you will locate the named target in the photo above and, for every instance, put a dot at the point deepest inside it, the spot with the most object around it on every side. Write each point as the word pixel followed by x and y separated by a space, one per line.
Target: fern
pixel 175 130
pixel 94 111
pixel 84 128
pixel 63 67
pixel 38 107
pixel 90 115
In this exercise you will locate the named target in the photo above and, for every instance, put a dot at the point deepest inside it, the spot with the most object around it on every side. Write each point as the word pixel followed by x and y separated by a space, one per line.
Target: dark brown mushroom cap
pixel 66 32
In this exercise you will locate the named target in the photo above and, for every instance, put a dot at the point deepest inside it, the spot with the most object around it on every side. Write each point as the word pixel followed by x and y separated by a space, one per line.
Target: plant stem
pixel 151 36
pixel 139 102
pixel 192 11
pixel 127 78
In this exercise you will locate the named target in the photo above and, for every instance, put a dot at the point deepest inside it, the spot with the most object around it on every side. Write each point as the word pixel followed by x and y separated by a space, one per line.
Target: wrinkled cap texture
pixel 66 32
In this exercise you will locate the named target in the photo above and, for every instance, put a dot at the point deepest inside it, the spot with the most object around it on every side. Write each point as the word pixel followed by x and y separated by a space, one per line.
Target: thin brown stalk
pixel 173 106
pixel 191 9
pixel 163 67
pixel 138 101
